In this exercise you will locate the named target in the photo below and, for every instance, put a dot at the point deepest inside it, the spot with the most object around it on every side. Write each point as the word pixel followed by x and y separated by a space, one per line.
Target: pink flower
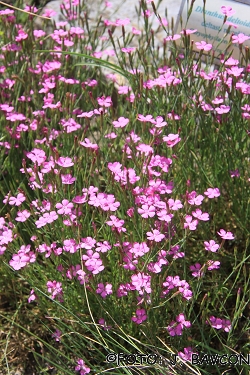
pixel 195 199
pixel 218 323
pixel 211 246
pixel 155 235
pixel 121 122
pixel 212 193
pixel 32 296
pixel 213 265
pixel 159 122
pixel 227 10
pixel 93 262
pixel 204 216
pixel 104 101
pixel 172 139
pixel 89 144
pixel 37 156
pixel 104 325
pixel 135 31
pixel 124 22
pixel 187 355
pixel 82 367
pixel 67 179
pixel 57 335
pixel 225 235
pixel 19 261
pixel 104 290
pixel 222 109
pixel 176 327
pixel 65 207
pixel 190 223
pixel 174 204
pixel 140 317
pixel 15 201
pixel 115 222
pixel 203 46
pixel 240 38
pixel 146 211
pixel 196 268
pixel 128 49
pixel 235 173
pixel 147 118
pixel 22 215
pixel 188 31
pixel 55 288
pixel 141 282
pixel 64 162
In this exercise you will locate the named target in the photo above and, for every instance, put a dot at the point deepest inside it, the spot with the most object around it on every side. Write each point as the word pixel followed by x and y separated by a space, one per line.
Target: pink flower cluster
pixel 23 257
pixel 55 288
pixel 218 323
pixel 175 282
pixel 140 317
pixel 176 327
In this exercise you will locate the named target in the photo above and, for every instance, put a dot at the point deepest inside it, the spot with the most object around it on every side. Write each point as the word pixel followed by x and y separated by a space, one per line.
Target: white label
pixel 209 23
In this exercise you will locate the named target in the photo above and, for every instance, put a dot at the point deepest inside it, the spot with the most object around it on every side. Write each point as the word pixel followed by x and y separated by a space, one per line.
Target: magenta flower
pixel 172 139
pixel 67 179
pixel 104 290
pixel 140 317
pixel 141 282
pixel 55 288
pixel 93 263
pixel 104 325
pixel 187 354
pixel 218 323
pixel 196 268
pixel 175 328
pixel 235 173
pixel 227 10
pixel 32 296
pixel 225 235
pixel 57 335
pixel 82 367
pixel 203 46
pixel 89 144
pixel 121 122
pixel 211 246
